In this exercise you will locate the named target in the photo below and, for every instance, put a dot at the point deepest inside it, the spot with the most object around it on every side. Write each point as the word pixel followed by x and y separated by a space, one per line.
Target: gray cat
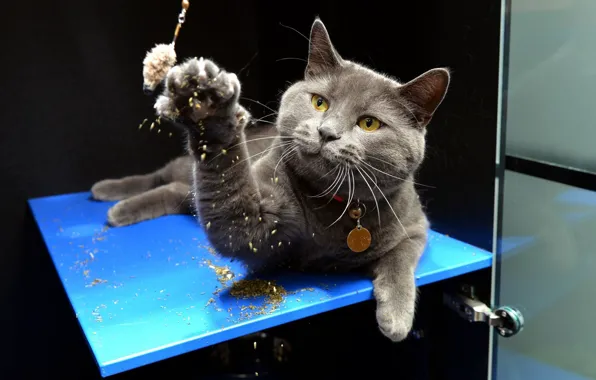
pixel 350 142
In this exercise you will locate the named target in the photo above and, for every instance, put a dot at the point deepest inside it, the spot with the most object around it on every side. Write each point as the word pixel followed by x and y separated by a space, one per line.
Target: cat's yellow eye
pixel 320 103
pixel 369 124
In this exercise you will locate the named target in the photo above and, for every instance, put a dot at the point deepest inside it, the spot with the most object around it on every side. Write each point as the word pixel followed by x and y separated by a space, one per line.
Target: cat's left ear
pixel 426 93
pixel 322 56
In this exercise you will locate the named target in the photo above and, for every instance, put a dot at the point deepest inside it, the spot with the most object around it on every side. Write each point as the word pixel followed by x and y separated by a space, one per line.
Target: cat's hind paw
pixel 109 190
pixel 123 188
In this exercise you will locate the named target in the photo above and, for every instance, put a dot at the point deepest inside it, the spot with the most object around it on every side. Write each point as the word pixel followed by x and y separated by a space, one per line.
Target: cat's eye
pixel 369 123
pixel 320 103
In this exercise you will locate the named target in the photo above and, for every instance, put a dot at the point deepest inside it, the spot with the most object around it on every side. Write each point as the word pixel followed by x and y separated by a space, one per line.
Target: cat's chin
pixel 332 157
pixel 319 156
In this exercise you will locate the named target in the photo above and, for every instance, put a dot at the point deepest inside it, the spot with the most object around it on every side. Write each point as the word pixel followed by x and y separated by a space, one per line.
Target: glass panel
pixel 548 242
pixel 552 77
pixel 548 271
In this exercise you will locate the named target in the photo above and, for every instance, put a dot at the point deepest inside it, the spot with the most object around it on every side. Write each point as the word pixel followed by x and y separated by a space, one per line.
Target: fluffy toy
pixel 162 57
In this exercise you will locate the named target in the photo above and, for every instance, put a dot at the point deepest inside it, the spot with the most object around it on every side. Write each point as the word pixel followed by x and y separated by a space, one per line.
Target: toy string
pixel 181 19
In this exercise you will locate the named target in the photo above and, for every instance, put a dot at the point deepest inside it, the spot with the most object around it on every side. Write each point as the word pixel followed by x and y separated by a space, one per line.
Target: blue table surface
pixel 149 291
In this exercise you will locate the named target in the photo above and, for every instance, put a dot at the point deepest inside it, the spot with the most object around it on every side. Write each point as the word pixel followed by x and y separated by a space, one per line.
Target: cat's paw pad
pixel 107 190
pixel 393 324
pixel 196 89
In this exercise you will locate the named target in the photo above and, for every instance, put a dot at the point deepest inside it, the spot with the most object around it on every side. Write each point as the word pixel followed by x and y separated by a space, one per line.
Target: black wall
pixel 71 102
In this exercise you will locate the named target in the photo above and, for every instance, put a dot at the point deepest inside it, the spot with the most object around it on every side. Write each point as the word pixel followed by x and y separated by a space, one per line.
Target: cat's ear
pixel 426 93
pixel 322 56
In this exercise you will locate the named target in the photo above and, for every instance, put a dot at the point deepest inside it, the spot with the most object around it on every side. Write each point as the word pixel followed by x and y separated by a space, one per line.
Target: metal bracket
pixel 507 320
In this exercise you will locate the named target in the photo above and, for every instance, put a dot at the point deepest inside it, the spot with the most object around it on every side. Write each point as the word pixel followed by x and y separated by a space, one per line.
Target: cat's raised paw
pixel 197 89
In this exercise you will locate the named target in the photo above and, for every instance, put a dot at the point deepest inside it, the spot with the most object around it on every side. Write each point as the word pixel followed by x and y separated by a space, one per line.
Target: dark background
pixel 71 101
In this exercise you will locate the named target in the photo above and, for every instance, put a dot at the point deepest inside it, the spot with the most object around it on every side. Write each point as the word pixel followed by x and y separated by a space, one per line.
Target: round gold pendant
pixel 359 239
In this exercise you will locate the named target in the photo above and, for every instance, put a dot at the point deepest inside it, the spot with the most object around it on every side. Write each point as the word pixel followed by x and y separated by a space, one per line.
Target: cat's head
pixel 345 114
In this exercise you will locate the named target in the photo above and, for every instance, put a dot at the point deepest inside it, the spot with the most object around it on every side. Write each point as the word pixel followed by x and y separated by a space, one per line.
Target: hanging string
pixel 159 60
pixel 181 19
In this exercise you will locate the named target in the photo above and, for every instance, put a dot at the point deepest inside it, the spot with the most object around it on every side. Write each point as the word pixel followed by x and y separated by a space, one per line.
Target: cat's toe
pixel 242 116
pixel 207 72
pixel 228 86
pixel 395 326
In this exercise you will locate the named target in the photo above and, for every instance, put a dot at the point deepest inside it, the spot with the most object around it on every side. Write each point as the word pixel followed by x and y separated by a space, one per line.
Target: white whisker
pixel 330 188
pixel 291 59
pixel 372 192
pixel 287 153
pixel 390 175
pixel 251 140
pixel 390 164
pixel 370 172
pixel 329 172
pixel 339 185
pixel 350 196
pixel 259 103
pixel 284 144
pixel 411 112
pixel 391 207
pixel 295 30
pixel 266 116
pixel 177 208
pixel 311 45
pixel 383 161
pixel 266 122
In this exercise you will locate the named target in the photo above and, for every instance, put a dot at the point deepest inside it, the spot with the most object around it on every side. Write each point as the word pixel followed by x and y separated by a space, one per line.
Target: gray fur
pixel 261 208
pixel 262 211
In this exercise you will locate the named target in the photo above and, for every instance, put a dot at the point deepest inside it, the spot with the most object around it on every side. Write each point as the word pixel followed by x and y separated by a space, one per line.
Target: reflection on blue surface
pixel 146 292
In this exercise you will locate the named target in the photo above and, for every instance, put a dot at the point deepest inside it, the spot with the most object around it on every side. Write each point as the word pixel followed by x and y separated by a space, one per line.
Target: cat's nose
pixel 328 133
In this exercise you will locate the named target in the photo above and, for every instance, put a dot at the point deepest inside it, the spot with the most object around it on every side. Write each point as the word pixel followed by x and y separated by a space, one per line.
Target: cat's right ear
pixel 426 93
pixel 322 56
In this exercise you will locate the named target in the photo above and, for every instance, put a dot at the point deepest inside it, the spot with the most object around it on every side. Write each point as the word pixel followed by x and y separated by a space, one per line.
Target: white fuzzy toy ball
pixel 156 65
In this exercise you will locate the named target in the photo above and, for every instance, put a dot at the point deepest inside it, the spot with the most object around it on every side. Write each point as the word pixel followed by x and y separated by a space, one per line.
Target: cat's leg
pixel 243 216
pixel 124 188
pixel 173 198
pixel 395 287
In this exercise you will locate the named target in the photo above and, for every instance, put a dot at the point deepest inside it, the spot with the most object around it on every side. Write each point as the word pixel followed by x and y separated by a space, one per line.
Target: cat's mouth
pixel 330 152
pixel 309 148
pixel 339 157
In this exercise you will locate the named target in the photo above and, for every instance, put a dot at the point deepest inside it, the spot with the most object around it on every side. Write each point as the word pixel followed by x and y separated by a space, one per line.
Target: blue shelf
pixel 144 293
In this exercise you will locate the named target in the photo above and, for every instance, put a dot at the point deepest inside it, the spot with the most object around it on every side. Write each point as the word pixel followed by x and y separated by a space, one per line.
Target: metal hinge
pixel 507 320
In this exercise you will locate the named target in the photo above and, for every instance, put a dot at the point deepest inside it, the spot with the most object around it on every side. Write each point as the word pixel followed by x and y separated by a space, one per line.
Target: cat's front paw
pixel 395 324
pixel 198 89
